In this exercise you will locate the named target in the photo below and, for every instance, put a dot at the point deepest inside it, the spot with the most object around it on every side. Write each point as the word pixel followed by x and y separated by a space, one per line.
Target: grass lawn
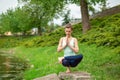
pixel 103 63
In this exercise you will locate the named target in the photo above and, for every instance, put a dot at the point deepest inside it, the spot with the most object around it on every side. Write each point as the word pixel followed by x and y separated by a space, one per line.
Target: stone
pixel 48 77
pixel 74 76
pixel 67 76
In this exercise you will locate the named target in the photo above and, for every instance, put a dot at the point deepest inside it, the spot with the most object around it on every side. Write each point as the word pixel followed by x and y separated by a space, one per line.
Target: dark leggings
pixel 72 61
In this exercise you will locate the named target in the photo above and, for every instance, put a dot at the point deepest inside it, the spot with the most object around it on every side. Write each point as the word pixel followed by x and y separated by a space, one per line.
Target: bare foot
pixel 68 70
pixel 60 59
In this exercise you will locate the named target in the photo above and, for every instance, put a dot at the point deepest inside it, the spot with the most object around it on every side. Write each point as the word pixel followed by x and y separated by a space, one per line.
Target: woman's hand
pixel 75 48
pixel 60 47
pixel 67 41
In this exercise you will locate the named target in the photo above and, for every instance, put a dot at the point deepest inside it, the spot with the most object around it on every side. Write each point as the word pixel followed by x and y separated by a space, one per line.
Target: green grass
pixel 102 62
pixel 105 31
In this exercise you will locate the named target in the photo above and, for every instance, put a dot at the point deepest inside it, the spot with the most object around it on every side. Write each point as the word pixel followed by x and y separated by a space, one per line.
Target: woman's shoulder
pixel 74 38
pixel 62 38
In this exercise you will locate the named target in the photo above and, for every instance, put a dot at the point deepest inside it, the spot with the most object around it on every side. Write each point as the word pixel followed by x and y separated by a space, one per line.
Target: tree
pixel 85 15
pixel 37 15
pixel 103 5
pixel 91 10
pixel 8 22
pixel 55 6
pixel 43 12
pixel 84 11
pixel 15 21
pixel 66 18
pixel 24 20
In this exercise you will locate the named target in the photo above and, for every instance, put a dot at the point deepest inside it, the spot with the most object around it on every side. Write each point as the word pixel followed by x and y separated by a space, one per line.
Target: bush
pixel 105 32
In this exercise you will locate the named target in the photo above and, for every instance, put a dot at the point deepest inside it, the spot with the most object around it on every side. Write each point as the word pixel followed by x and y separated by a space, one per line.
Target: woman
pixel 70 46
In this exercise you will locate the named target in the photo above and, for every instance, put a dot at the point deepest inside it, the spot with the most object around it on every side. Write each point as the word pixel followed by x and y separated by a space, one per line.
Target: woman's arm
pixel 60 47
pixel 75 48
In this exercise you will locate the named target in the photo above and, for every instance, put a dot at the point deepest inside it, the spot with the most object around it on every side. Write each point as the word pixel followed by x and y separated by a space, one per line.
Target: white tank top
pixel 68 51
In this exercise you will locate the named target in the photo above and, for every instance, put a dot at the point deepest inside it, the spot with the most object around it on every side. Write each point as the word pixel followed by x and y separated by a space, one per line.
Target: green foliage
pixel 33 14
pixel 15 21
pixel 9 42
pixel 105 32
pixel 66 18
pixel 50 39
pixel 102 62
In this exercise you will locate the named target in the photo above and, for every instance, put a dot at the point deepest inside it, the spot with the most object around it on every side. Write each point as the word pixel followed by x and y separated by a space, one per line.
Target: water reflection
pixel 11 68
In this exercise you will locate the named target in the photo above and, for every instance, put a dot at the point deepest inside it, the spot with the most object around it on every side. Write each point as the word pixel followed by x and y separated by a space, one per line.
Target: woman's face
pixel 68 31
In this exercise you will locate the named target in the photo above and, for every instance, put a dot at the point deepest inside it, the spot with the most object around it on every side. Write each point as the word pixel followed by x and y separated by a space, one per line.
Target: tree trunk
pixel 24 33
pixel 85 16
pixel 39 31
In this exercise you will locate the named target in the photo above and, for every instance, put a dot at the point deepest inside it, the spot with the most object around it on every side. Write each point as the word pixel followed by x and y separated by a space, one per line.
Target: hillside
pixel 100 47
pixel 104 32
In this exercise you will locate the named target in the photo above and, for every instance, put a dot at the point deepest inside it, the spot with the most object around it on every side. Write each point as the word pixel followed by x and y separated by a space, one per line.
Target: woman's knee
pixel 73 65
pixel 80 56
pixel 65 63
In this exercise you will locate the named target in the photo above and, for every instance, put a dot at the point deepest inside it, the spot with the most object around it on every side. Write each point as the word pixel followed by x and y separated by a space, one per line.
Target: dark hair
pixel 68 26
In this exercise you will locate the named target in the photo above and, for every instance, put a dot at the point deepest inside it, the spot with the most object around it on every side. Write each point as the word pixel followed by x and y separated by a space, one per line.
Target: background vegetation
pixel 100 47
pixel 105 32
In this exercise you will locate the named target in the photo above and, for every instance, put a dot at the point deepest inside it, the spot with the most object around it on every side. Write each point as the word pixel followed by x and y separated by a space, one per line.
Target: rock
pixel 74 76
pixel 48 77
pixel 67 76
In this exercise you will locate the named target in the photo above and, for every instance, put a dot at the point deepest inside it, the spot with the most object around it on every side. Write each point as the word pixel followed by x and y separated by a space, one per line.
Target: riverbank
pixel 11 67
pixel 102 62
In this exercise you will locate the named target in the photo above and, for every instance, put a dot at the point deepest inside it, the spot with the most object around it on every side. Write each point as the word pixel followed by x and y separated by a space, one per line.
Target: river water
pixel 11 68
